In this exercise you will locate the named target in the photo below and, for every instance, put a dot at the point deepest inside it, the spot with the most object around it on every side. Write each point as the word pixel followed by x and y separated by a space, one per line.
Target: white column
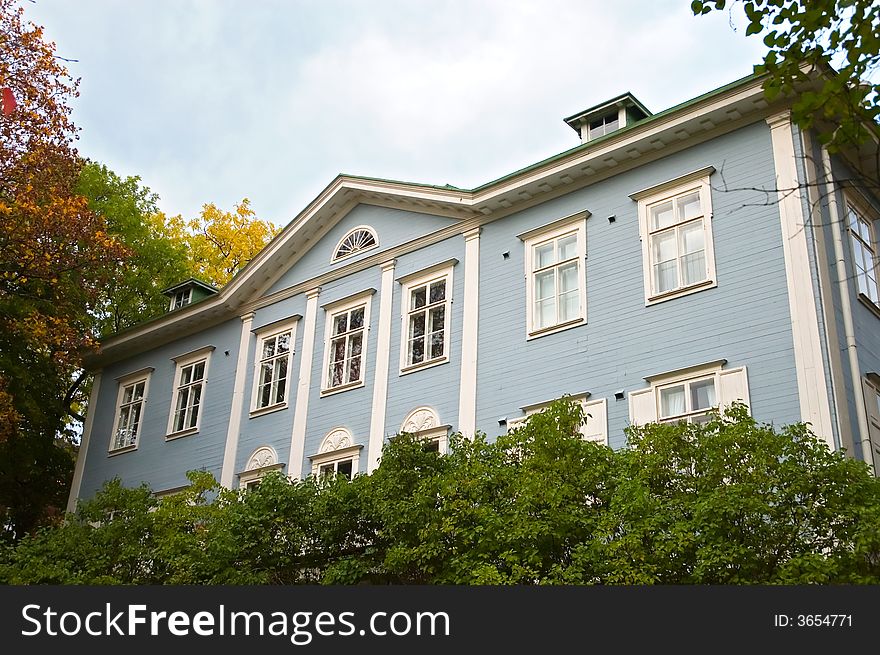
pixel 810 368
pixel 467 399
pixel 383 356
pixel 91 410
pixel 227 473
pixel 298 436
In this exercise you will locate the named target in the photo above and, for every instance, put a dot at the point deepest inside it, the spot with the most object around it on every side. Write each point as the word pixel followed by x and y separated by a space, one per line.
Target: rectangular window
pixel 343 467
pixel 426 318
pixel 273 366
pixel 129 412
pixel 189 390
pixel 345 344
pixel 675 221
pixel 688 401
pixel 556 285
pixel 864 252
pixel 603 126
pixel 181 299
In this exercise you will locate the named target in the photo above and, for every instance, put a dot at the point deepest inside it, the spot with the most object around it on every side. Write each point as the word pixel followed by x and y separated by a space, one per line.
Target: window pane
pixel 438 291
pixel 852 218
pixel 268 347
pixel 338 353
pixel 662 216
pixel 872 288
pixel 569 306
pixel 266 373
pixel 284 343
pixel 417 351
pixel 127 395
pixel 691 237
pixel 199 371
pixel 138 391
pixel 689 206
pixel 438 316
pixel 354 344
pixel 265 395
pixel 544 255
pixel 568 277
pixel 357 319
pixel 417 325
pixel 336 373
pixel 344 468
pixel 693 268
pixel 702 394
pixel 567 247
pixel 419 295
pixel 437 345
pixel 326 469
pixel 340 323
pixel 280 389
pixel 545 285
pixel 665 269
pixel 545 313
pixel 865 231
pixel 186 375
pixel 672 401
pixel 354 369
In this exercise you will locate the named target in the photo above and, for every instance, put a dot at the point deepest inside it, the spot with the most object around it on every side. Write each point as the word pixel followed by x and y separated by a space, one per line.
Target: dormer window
pixel 181 298
pixel 187 292
pixel 603 126
pixel 357 240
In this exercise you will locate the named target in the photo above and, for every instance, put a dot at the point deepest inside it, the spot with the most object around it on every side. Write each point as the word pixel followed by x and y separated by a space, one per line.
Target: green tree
pixel 804 34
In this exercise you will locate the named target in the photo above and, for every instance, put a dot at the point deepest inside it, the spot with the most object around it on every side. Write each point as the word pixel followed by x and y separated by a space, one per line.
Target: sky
pixel 218 100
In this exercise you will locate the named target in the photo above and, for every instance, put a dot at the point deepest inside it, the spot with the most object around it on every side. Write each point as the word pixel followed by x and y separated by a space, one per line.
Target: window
pixel 556 285
pixel 337 455
pixel 604 125
pixel 129 410
pixel 262 461
pixel 595 427
pixel 687 401
pixel 357 240
pixel 689 394
pixel 424 422
pixel 189 386
pixel 426 312
pixel 676 225
pixel 346 338
pixel 864 251
pixel 273 366
pixel 181 298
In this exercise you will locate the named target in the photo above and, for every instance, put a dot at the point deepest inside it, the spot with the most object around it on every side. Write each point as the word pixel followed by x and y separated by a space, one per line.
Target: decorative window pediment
pixel 359 239
pixel 262 461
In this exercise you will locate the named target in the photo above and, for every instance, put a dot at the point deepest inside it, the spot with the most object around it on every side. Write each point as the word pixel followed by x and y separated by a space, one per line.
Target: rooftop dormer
pixel 607 117
pixel 189 291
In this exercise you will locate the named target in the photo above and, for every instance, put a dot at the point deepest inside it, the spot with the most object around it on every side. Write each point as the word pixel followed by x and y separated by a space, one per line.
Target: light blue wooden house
pixel 667 264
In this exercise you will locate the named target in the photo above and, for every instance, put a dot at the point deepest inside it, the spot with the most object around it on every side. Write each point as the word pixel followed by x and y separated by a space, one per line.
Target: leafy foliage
pixel 814 32
pixel 222 242
pixel 729 502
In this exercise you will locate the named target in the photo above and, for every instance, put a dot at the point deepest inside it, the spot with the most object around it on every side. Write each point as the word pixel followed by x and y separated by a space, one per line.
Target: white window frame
pixel 183 361
pixel 129 380
pixel 180 299
pixel 424 423
pixel 409 284
pixel 332 310
pixel 575 224
pixel 586 403
pixel 336 257
pixel 865 216
pixel 671 191
pixel 338 446
pixel 730 384
pixel 263 334
pixel 262 461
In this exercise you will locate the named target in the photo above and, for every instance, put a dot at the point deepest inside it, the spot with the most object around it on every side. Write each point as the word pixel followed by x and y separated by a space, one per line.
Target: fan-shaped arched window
pixel 358 239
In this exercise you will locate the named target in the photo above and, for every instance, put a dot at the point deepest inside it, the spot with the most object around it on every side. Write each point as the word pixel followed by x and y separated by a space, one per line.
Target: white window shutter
pixel 733 387
pixel 596 428
pixel 642 408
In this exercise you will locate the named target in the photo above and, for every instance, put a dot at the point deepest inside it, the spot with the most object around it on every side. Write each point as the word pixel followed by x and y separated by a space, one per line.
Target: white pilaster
pixel 231 450
pixel 298 436
pixel 467 400
pixel 383 356
pixel 810 368
pixel 84 444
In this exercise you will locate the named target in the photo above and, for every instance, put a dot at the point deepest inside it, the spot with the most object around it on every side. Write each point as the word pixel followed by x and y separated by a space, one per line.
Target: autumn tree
pixel 808 34
pixel 223 242
pixel 55 257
